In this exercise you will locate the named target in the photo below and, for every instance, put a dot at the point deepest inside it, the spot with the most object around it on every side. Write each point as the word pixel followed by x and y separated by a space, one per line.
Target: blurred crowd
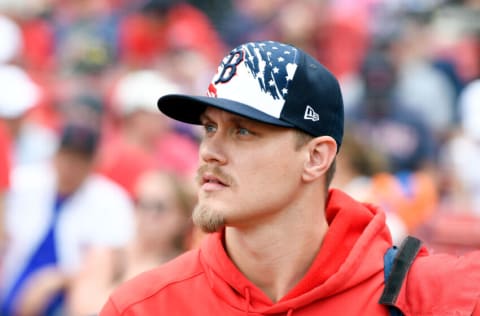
pixel 97 186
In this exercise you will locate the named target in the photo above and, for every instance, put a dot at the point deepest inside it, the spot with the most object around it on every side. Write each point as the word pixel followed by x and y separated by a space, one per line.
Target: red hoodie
pixel 346 278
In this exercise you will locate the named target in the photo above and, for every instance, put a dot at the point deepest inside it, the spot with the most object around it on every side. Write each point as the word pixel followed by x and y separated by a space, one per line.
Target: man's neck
pixel 275 257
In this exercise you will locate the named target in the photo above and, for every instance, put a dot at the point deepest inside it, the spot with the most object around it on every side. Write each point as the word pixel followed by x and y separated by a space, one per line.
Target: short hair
pixel 302 139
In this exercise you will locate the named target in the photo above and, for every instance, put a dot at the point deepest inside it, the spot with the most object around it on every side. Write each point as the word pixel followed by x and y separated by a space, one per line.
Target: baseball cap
pixel 19 92
pixel 79 138
pixel 270 82
pixel 138 90
pixel 11 41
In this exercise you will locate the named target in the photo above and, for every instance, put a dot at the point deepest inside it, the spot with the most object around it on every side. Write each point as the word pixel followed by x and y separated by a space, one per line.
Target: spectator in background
pixel 317 29
pixel 56 213
pixel 383 120
pixel 460 155
pixel 412 197
pixel 85 108
pixel 456 38
pixel 409 199
pixel 408 189
pixel 162 210
pixel 186 64
pixel 215 9
pixel 145 139
pixel 343 37
pixel 309 17
pixel 359 165
pixel 145 36
pixel 249 20
pixel 85 35
pixel 422 88
pixel 32 142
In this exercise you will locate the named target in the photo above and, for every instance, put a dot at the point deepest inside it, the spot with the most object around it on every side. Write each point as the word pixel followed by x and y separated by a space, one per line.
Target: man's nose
pixel 212 150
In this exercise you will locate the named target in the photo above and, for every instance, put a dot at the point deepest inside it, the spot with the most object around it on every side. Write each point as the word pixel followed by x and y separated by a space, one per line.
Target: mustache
pixel 215 171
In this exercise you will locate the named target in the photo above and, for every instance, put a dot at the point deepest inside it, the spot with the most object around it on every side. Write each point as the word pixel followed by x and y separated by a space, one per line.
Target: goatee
pixel 208 220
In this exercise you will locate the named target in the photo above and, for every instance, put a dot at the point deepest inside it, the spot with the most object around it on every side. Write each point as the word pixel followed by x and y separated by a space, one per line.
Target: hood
pixel 351 253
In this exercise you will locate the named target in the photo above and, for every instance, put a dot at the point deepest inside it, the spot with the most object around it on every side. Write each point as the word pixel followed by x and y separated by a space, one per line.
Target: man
pixel 57 212
pixel 281 243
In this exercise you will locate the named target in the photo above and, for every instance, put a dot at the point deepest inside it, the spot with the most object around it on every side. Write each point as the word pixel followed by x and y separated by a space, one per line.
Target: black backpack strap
pixel 397 262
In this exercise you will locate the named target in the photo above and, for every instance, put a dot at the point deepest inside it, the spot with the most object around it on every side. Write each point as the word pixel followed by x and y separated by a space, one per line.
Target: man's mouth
pixel 210 182
pixel 210 178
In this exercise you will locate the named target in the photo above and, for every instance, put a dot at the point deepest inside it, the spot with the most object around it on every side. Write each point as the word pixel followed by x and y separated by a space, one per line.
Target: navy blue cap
pixel 270 82
pixel 79 138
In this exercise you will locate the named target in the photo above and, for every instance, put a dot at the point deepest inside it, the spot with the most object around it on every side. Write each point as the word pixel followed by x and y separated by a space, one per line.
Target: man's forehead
pixel 215 113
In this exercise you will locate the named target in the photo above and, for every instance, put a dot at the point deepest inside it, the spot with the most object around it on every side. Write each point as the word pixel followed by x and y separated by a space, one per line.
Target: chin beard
pixel 208 220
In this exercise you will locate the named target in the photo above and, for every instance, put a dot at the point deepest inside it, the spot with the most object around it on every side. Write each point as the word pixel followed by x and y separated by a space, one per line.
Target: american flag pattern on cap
pixel 257 74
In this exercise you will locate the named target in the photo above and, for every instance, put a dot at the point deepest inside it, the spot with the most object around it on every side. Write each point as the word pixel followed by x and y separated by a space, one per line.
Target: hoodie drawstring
pixel 290 312
pixel 247 301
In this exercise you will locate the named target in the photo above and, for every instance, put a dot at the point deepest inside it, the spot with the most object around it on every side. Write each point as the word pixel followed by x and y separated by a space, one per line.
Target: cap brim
pixel 188 109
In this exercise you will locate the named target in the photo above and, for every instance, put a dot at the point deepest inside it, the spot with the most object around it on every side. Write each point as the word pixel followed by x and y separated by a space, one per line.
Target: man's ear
pixel 321 152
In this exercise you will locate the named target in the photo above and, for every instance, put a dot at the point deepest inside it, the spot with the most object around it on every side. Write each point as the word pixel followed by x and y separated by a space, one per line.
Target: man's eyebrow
pixel 204 117
pixel 240 120
pixel 235 119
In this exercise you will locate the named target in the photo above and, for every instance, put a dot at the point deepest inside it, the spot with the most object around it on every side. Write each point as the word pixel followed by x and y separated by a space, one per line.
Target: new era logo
pixel 310 114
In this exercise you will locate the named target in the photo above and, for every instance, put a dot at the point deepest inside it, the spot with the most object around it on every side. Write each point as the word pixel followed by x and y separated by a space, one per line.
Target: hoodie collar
pixel 347 257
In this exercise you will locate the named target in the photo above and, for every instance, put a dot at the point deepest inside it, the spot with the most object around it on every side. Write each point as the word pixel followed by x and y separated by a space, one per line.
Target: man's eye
pixel 209 128
pixel 243 131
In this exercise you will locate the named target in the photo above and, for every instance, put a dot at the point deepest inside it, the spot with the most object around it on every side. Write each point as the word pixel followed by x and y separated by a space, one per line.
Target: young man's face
pixel 249 171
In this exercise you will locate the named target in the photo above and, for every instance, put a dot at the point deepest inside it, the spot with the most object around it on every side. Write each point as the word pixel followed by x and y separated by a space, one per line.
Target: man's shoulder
pixel 156 282
pixel 442 282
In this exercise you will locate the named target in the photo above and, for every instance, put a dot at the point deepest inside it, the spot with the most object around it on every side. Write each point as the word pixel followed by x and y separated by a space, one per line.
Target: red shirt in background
pixel 5 148
pixel 144 39
pixel 124 163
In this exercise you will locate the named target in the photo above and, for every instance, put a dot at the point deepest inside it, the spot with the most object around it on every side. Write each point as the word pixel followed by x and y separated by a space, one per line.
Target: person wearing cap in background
pixel 31 141
pixel 145 139
pixel 281 241
pixel 56 212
